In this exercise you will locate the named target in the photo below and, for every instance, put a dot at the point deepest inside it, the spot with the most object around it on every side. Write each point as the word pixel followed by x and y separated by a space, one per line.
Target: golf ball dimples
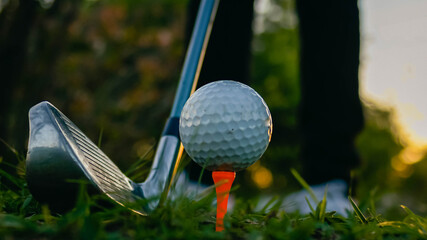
pixel 225 126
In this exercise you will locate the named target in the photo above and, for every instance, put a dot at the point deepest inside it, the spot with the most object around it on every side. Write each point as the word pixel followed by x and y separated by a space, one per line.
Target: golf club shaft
pixel 195 54
pixel 170 149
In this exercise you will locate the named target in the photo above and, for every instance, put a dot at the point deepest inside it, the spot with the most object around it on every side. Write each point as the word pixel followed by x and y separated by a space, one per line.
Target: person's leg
pixel 228 52
pixel 330 110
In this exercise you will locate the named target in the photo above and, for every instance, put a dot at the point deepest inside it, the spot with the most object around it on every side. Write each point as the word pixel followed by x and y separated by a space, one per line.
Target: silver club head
pixel 59 152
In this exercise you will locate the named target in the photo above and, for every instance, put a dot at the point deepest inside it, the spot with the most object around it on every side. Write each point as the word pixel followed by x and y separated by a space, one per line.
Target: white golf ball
pixel 225 126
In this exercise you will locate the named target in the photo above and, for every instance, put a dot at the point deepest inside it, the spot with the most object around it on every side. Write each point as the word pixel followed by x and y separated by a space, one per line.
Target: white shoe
pixel 336 199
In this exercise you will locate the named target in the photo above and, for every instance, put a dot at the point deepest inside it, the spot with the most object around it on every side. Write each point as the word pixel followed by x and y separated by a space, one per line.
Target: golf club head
pixel 59 153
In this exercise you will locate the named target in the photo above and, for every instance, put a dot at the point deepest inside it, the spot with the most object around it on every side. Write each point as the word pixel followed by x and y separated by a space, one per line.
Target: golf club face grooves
pixel 95 165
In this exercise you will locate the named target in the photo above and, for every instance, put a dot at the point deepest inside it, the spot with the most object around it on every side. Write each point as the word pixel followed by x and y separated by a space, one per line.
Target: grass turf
pixel 22 217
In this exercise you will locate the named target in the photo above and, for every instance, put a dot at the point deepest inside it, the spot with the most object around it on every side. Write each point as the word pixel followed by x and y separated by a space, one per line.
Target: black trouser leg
pixel 330 110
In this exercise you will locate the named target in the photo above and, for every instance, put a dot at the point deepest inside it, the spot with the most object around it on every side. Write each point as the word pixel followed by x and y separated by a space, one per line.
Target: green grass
pixel 21 216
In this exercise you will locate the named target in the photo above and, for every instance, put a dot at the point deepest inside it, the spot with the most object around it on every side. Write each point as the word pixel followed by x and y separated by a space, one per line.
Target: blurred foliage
pixel 381 145
pixel 113 66
pixel 377 145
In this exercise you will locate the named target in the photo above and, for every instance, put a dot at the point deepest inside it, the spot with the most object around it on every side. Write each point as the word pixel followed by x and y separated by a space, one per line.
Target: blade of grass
pixel 408 211
pixel 140 163
pixel 7 164
pixel 101 132
pixel 372 194
pixel 199 181
pixel 374 215
pixel 393 224
pixel 47 217
pixel 276 206
pixel 305 185
pixel 11 178
pixel 13 150
pixel 420 222
pixel 309 205
pixel 357 210
pixel 25 204
pixel 269 203
pixel 322 206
